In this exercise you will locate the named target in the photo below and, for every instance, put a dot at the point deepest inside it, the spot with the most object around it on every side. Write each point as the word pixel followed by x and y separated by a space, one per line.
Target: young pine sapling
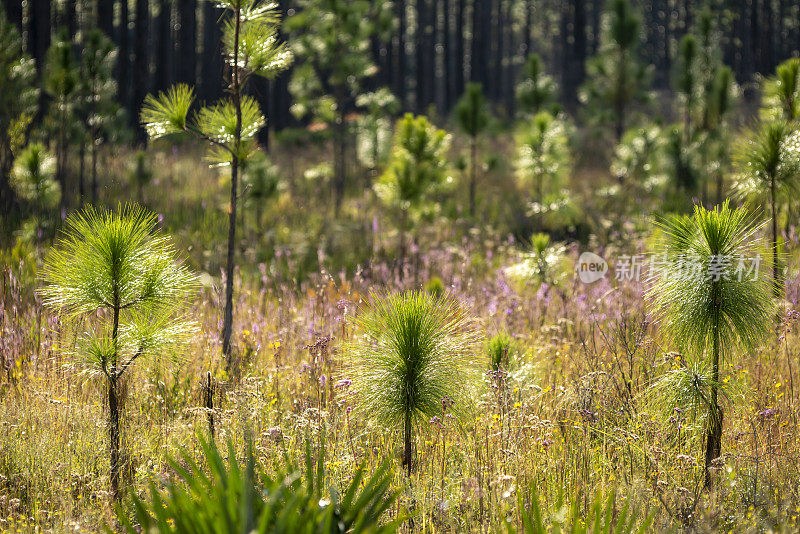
pixel 118 277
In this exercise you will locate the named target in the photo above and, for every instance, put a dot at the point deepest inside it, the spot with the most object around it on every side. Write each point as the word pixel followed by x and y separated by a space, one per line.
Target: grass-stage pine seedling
pixel 413 354
pixel 118 277
pixel 707 307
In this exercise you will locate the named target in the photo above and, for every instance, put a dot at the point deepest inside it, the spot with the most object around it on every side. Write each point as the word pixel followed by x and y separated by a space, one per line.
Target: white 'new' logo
pixel 591 267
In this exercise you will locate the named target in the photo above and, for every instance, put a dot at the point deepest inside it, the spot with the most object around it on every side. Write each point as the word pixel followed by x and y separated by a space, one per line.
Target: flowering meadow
pixel 568 415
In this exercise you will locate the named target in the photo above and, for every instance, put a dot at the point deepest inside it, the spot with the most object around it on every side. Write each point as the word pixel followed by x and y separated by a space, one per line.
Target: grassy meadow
pixel 566 417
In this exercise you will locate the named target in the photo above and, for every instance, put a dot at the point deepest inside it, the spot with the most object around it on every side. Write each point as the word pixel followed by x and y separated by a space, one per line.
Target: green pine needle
pixel 412 353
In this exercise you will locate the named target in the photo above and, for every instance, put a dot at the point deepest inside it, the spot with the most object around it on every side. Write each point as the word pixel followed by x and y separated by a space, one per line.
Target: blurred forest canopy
pixel 433 50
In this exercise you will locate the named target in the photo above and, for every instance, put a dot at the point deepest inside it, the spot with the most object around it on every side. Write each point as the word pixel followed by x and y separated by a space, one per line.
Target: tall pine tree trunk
pixel 187 42
pixel 211 65
pixel 141 63
pixel 459 49
pixel 39 31
pixel 164 46
pixel 124 57
pixel 14 13
pixel 402 58
pixel 236 91
pixel 105 17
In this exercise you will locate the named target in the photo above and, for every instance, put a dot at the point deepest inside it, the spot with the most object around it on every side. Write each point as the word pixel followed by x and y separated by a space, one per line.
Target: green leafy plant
pixel 472 115
pixel 417 171
pixel 98 110
pixel 706 305
pixel 435 287
pixel 117 276
pixel 498 349
pixel 706 91
pixel 541 262
pixel 375 127
pixel 635 159
pixel 413 355
pixel 768 164
pixel 252 47
pixel 227 496
pixel 601 516
pixel 680 159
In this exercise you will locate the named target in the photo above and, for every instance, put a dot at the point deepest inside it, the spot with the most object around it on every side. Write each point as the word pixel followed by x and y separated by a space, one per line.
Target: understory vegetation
pixel 571 314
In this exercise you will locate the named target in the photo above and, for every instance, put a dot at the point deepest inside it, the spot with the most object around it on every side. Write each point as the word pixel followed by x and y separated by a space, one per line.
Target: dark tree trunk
pixel 187 42
pixel 14 12
pixel 71 17
pixel 473 174
pixel 450 65
pixel 113 438
pixel 498 42
pixel 527 28
pixel 407 444
pixel 230 266
pixel 105 17
pixel 480 42
pixel 574 40
pixel 95 193
pixel 164 49
pixel 716 415
pixel 211 69
pixel 124 56
pixel 459 49
pixel 141 63
pixel 597 9
pixel 424 55
pixel 82 174
pixel 402 68
pixel 39 40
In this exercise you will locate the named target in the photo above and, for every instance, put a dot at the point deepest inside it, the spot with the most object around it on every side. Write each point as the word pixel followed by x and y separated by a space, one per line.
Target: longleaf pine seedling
pixel 472 113
pixel 252 47
pixel 617 78
pixel 416 174
pixel 543 162
pixel 768 161
pixel 333 40
pixel 32 179
pixel 414 354
pixel 118 275
pixel 19 99
pixel 712 314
